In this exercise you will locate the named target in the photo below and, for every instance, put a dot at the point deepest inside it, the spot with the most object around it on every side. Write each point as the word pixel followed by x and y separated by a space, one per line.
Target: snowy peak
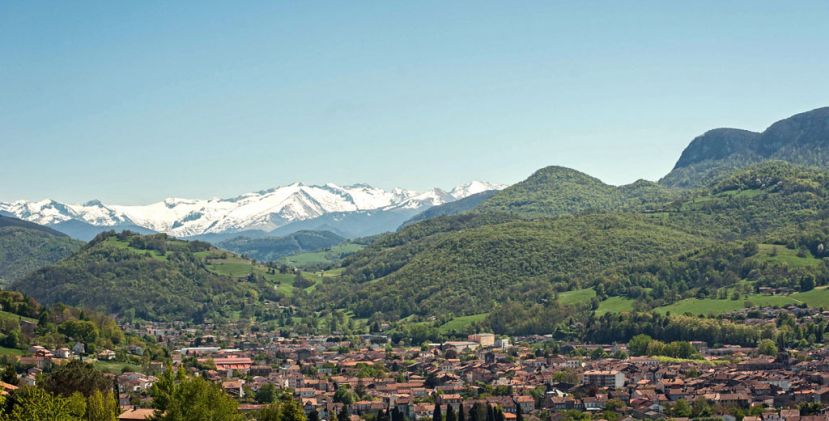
pixel 474 187
pixel 264 210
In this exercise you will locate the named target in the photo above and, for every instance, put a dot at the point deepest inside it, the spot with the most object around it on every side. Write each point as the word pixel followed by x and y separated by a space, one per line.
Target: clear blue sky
pixel 130 102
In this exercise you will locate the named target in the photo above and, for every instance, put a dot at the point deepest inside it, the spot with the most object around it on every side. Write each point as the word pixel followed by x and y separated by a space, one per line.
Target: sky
pixel 132 102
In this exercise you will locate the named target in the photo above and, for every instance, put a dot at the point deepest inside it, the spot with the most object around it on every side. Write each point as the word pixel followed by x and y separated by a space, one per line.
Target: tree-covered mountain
pixel 509 250
pixel 553 191
pixel 801 139
pixel 272 249
pixel 473 269
pixel 26 247
pixel 157 277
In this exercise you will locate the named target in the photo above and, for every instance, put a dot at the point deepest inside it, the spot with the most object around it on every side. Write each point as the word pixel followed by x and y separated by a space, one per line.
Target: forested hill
pixel 270 249
pixel 511 250
pixel 801 139
pixel 159 278
pixel 26 247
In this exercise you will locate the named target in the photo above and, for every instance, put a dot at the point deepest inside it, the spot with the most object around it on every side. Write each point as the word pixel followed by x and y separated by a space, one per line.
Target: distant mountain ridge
pixel 801 139
pixel 265 210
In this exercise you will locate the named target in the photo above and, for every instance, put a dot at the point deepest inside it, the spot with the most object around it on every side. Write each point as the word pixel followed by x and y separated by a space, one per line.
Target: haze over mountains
pixel 258 212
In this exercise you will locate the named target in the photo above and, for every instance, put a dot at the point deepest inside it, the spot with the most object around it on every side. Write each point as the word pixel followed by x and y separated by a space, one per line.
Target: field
pixel 782 255
pixel 10 351
pixel 4 315
pixel 462 323
pixel 818 297
pixel 615 305
pixel 323 257
pixel 577 296
pixel 115 367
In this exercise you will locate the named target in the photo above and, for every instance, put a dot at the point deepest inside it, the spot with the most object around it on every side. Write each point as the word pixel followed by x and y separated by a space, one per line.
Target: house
pixel 63 352
pixel 484 339
pixel 527 403
pixel 613 379
pixel 234 388
pixel 106 355
pixel 136 414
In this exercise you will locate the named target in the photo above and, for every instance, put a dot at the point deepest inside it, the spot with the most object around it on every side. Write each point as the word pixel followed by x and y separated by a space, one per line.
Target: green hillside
pixel 271 249
pixel 471 270
pixel 159 278
pixel 26 247
pixel 637 246
pixel 553 191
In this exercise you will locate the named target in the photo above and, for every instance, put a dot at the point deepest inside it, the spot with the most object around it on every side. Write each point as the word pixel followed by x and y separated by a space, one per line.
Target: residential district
pixel 523 377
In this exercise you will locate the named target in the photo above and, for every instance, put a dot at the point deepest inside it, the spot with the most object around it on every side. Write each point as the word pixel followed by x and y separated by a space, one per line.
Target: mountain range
pixel 287 209
pixel 739 212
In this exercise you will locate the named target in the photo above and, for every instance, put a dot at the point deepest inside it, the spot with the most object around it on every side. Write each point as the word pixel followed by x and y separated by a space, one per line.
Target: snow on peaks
pixel 474 187
pixel 264 210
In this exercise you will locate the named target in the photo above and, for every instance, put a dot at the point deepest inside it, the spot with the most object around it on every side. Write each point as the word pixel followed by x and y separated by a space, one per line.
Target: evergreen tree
pixel 450 413
pixel 314 416
pixel 396 415
pixel 490 413
pixel 436 415
pixel 343 415
pixel 461 416
pixel 518 415
pixel 475 413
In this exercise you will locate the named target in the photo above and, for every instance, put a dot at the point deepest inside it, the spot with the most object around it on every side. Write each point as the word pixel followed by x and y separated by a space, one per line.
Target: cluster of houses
pixel 366 374
pixel 488 370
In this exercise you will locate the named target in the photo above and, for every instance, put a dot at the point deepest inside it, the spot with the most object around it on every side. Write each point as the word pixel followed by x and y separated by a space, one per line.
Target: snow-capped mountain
pixel 264 210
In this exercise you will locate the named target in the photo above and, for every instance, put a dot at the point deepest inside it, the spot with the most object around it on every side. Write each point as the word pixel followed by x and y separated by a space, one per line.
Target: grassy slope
pixel 324 257
pixel 576 296
pixel 462 323
pixel 818 297
pixel 614 305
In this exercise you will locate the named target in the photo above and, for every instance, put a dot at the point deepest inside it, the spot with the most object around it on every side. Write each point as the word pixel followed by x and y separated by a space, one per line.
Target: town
pixel 368 377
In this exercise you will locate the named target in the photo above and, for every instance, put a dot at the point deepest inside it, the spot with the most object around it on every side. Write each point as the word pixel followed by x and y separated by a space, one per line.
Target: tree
pixel 192 399
pixel 343 415
pixel 475 413
pixel 10 375
pixel 436 415
pixel 77 376
pixel 12 339
pixel 807 282
pixel 767 347
pixel 450 413
pixel 101 406
pixel 681 409
pixel 638 345
pixel 396 415
pixel 80 330
pixel 344 395
pixel 518 415
pixel 33 403
pixel 285 409
pixel 266 393
pixel 314 416
pixel 460 412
